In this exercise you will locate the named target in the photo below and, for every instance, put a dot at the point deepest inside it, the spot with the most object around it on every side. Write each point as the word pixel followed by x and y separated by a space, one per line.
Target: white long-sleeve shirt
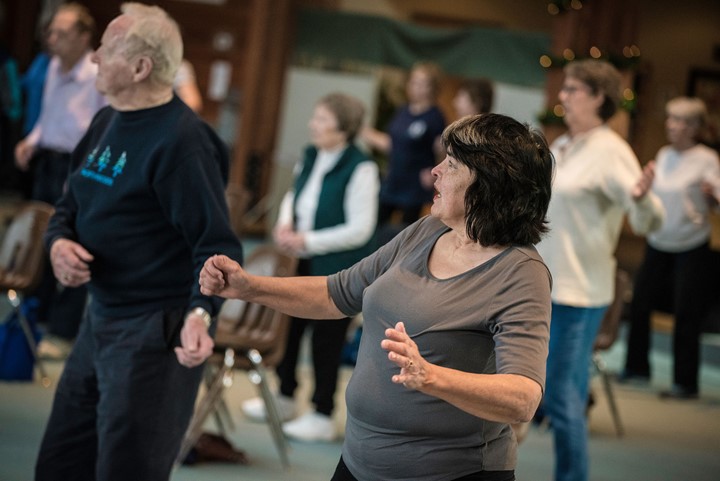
pixel 678 177
pixel 594 177
pixel 360 205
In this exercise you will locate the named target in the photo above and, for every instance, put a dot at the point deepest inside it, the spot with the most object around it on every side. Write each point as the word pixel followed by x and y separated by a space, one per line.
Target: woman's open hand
pixel 414 370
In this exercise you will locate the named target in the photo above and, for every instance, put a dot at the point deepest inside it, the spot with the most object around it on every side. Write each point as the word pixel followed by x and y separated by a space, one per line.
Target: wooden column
pixel 263 78
pixel 19 30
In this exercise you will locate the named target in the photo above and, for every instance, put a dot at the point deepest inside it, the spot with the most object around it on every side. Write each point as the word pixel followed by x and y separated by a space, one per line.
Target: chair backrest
pixel 22 253
pixel 246 325
pixel 610 325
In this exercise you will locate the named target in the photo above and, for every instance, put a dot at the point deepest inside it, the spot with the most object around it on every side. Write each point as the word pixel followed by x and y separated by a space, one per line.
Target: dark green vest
pixel 330 209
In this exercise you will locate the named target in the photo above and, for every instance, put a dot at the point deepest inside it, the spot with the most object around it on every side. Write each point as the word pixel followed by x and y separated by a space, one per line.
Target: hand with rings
pixel 403 351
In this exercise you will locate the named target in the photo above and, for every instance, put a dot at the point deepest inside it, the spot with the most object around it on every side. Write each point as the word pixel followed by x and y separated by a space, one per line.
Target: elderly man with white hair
pixel 144 208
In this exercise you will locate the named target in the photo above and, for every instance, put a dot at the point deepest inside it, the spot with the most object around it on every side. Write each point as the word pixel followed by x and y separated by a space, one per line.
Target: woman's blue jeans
pixel 572 334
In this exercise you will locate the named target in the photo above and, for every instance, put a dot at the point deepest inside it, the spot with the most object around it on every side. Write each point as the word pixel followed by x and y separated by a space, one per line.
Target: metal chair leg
pixel 208 404
pixel 259 378
pixel 16 302
pixel 609 393
pixel 221 413
pixel 223 418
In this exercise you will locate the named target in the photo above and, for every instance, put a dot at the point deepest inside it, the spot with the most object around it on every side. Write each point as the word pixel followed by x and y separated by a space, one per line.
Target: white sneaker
pixel 254 409
pixel 311 426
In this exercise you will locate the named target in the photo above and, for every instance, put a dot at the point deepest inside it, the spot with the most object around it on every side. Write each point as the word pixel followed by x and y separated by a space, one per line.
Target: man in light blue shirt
pixel 70 100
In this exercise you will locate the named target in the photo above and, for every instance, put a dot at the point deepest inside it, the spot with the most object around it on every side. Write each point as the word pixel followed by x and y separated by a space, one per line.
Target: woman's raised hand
pixel 645 182
pixel 404 353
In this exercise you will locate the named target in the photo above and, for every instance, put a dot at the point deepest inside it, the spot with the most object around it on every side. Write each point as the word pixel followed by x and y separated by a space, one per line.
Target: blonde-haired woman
pixel 411 142
pixel 677 255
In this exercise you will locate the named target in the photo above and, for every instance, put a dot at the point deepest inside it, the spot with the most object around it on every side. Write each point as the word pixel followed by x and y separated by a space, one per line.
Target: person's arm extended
pixel 505 398
pixel 306 297
pixel 376 139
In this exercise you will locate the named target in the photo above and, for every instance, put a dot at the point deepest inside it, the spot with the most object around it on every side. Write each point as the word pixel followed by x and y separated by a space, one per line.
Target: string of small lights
pixel 629 58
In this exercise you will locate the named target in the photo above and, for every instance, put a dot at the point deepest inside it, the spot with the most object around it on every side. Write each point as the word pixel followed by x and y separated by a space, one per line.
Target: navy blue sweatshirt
pixel 146 199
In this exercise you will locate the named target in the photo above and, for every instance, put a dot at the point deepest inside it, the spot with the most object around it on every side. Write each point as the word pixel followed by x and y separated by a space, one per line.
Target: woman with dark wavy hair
pixel 456 315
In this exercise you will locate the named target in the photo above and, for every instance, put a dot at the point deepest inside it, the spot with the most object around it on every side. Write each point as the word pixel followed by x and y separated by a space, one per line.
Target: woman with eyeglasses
pixel 598 181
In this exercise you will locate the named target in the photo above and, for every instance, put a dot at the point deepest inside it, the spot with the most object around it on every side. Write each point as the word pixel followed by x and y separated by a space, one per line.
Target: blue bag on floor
pixel 16 359
pixel 350 349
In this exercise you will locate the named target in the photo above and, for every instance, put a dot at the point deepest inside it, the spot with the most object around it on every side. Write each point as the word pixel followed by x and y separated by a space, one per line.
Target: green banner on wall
pixel 502 55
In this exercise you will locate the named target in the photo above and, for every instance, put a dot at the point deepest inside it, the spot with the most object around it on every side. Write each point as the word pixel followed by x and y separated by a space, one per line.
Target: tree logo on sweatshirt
pixel 95 167
pixel 119 165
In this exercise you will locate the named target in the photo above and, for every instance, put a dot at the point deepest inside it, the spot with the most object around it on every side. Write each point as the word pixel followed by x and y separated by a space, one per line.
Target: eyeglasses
pixel 682 119
pixel 571 89
pixel 59 33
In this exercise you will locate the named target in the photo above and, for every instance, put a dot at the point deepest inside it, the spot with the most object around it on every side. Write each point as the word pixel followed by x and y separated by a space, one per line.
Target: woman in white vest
pixel 327 219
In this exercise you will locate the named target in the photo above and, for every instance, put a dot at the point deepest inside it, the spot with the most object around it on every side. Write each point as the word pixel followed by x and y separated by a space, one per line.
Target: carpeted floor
pixel 664 441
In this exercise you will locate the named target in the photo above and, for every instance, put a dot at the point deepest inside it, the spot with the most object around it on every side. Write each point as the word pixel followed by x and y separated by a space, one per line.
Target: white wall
pixel 304 86
pixel 521 103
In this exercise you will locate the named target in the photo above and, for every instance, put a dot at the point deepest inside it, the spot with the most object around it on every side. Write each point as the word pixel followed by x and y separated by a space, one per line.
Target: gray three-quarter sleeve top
pixel 493 318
